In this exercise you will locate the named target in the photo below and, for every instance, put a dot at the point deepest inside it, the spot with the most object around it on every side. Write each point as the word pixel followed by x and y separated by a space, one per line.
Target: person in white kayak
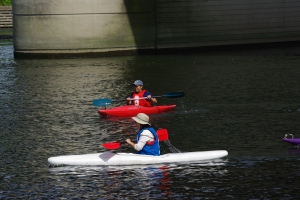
pixel 136 97
pixel 147 138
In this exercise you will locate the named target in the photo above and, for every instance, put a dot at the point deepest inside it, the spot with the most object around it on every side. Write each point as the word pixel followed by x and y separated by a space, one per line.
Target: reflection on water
pixel 242 102
pixel 155 181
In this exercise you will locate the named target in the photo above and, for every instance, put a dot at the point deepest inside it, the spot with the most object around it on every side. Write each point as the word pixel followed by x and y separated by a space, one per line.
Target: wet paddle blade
pixel 102 102
pixel 112 145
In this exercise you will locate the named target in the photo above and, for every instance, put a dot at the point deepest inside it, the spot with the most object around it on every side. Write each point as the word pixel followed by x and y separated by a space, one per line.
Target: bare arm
pixel 130 142
pixel 153 100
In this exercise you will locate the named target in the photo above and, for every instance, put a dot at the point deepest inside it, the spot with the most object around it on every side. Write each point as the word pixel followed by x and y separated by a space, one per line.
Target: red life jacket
pixel 140 102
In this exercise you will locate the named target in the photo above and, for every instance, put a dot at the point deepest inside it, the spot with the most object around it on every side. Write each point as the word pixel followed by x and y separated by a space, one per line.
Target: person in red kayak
pixel 147 138
pixel 140 97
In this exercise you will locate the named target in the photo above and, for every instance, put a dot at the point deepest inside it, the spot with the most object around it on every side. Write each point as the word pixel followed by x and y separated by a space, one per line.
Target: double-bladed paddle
pixel 106 101
pixel 161 133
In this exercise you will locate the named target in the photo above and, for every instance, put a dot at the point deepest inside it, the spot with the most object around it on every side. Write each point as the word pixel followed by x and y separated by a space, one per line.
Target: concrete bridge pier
pixel 66 28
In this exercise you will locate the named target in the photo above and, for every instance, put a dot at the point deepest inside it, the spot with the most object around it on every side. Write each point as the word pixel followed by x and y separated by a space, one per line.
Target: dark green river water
pixel 240 101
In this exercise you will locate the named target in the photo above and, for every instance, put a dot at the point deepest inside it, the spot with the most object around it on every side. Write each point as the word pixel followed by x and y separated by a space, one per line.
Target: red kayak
pixel 129 111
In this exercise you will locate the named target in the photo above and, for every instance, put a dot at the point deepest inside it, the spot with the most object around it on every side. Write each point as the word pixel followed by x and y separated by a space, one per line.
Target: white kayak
pixel 109 158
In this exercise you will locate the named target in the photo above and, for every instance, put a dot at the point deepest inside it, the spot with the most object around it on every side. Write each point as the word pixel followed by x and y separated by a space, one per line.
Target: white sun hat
pixel 141 118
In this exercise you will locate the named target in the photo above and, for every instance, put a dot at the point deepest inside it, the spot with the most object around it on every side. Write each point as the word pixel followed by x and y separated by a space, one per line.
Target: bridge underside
pixel 85 28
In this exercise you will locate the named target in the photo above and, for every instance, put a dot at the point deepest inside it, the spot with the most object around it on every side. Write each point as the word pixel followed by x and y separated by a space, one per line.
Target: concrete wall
pixel 82 26
pixel 190 23
pixel 104 27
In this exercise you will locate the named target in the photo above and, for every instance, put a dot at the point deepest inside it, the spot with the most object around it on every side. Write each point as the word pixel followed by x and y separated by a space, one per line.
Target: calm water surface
pixel 240 101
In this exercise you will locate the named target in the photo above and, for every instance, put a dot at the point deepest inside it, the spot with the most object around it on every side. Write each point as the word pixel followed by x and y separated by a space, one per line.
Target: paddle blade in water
pixel 162 134
pixel 112 145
